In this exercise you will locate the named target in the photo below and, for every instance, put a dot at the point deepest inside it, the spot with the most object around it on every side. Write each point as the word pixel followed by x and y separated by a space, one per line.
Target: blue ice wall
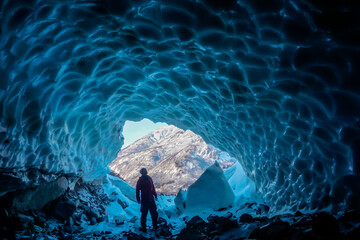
pixel 275 83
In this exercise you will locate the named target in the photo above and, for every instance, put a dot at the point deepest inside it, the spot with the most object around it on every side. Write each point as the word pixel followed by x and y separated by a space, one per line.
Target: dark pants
pixel 145 207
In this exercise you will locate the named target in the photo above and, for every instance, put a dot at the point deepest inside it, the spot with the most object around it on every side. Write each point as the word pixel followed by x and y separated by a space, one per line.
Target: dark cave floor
pixel 292 227
pixel 77 212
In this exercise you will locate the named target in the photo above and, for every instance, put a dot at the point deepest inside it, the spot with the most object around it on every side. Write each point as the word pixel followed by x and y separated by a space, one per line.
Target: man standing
pixel 145 185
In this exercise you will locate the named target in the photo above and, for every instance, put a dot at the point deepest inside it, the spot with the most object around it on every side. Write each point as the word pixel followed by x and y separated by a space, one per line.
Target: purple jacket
pixel 145 185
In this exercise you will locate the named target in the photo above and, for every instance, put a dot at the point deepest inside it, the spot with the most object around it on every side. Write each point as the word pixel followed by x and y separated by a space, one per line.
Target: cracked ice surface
pixel 274 84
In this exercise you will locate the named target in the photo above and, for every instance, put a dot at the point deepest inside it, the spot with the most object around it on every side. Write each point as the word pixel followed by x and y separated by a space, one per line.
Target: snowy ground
pixel 117 200
pixel 124 208
pixel 166 210
pixel 130 215
pixel 108 209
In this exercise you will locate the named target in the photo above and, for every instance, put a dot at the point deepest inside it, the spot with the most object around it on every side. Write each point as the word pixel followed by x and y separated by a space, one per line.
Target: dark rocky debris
pixel 59 218
pixel 63 218
pixel 246 218
pixel 322 225
pixel 68 215
pixel 275 230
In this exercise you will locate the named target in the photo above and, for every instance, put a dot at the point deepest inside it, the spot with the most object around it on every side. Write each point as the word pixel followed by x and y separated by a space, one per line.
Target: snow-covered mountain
pixel 173 157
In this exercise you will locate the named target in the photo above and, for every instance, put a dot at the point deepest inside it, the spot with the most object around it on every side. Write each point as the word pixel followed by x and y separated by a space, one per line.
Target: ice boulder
pixel 211 190
pixel 243 187
pixel 126 189
pixel 180 200
pixel 36 198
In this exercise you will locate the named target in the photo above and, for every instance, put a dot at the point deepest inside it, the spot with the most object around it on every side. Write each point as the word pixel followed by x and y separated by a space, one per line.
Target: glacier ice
pixel 275 85
pixel 243 188
pixel 180 200
pixel 210 191
pixel 37 198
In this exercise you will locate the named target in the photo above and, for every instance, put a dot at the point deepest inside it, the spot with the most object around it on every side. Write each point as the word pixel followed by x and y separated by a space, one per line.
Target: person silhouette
pixel 145 185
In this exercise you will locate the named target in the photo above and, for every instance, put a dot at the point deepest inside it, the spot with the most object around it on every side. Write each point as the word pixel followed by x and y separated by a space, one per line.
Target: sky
pixel 132 131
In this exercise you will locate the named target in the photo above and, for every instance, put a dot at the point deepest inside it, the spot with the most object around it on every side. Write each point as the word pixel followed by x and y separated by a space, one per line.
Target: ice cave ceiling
pixel 274 83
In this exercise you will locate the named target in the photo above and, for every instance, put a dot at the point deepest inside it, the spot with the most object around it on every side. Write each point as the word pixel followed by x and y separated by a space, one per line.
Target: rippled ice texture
pixel 274 83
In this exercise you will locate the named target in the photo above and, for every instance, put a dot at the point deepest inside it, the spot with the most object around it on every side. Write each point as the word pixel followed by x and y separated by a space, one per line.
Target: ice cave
pixel 274 83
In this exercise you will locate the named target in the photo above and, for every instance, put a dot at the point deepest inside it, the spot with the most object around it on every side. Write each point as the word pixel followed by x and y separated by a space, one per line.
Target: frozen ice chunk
pixel 243 187
pixel 126 189
pixel 180 200
pixel 211 190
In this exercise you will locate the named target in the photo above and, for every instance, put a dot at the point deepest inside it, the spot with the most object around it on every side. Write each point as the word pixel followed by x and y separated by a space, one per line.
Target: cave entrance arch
pixel 175 158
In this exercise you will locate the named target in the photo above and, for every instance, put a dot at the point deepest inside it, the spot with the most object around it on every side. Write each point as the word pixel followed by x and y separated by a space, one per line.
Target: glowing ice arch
pixel 271 83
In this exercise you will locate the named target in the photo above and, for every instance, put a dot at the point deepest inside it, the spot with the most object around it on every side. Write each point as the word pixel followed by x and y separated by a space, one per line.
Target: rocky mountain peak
pixel 174 158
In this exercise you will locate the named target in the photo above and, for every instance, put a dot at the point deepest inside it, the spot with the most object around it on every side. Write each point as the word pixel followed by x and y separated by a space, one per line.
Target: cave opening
pixel 134 130
pixel 175 158
pixel 189 175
